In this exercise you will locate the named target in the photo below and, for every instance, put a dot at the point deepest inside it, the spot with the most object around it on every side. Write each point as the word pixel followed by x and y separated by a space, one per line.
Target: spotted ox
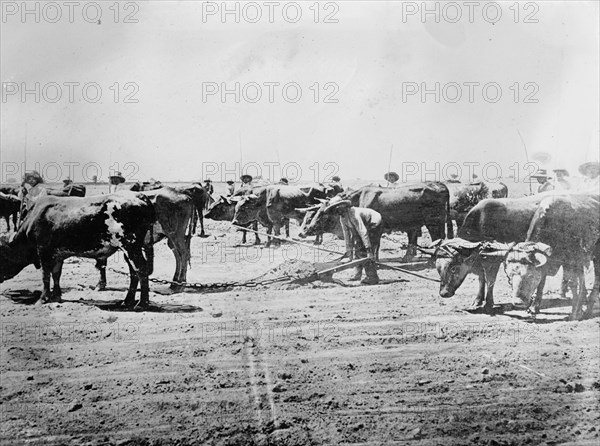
pixel 94 227
pixel 564 231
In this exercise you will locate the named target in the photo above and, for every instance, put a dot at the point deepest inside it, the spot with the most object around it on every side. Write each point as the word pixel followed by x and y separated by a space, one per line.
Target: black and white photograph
pixel 289 223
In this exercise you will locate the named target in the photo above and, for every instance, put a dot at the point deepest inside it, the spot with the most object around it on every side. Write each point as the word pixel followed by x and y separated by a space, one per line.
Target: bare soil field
pixel 290 364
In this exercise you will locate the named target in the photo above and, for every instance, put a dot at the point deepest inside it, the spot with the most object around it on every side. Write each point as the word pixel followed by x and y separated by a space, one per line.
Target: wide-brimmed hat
pixel 335 178
pixel 392 177
pixel 585 166
pixel 454 176
pixel 35 175
pixel 284 181
pixel 564 171
pixel 67 180
pixel 337 202
pixel 246 178
pixel 208 181
pixel 230 182
pixel 541 173
pixel 116 178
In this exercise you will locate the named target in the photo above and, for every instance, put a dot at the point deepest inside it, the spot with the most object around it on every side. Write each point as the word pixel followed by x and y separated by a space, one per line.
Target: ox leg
pixel 141 266
pixel 412 245
pixel 7 218
pixel 101 267
pixel 129 301
pixel 244 232
pixel 595 289
pixel 56 273
pixel 287 227
pixel 256 237
pixel 578 297
pixel 478 301
pixel 491 273
pixel 319 239
pixel 180 264
pixel 47 269
pixel 15 218
pixel 534 307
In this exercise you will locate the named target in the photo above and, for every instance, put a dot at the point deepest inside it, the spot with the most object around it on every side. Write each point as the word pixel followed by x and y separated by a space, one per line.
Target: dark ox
pixel 408 208
pixel 223 209
pixel 564 231
pixel 94 227
pixel 9 207
pixel 277 203
pixel 463 197
pixel 503 220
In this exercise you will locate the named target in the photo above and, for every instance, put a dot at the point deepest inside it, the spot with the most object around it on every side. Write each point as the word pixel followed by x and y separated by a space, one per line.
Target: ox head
pixel 523 266
pixel 14 256
pixel 247 209
pixel 454 259
pixel 221 210
pixel 310 224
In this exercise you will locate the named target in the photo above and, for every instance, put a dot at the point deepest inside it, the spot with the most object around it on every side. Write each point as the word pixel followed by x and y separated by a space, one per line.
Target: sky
pixel 178 52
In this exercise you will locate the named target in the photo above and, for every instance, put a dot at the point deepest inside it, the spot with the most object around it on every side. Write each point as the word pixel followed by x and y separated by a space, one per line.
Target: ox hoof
pixel 142 306
pixel 101 286
pixel 128 303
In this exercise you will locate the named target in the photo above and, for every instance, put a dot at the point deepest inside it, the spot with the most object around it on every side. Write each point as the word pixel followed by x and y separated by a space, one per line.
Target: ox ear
pixel 539 259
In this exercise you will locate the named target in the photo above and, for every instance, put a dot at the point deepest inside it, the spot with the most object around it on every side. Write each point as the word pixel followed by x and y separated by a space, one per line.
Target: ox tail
pixel 449 224
pixel 149 250
pixel 191 231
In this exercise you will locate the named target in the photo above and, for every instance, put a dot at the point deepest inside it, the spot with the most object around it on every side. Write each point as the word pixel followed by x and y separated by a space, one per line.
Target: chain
pixel 212 286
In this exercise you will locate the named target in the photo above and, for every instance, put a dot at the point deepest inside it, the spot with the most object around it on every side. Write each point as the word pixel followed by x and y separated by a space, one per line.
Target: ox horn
pixel 312 208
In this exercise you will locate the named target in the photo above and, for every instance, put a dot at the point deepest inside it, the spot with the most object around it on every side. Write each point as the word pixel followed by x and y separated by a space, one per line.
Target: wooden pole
pixel 389 164
pixel 526 157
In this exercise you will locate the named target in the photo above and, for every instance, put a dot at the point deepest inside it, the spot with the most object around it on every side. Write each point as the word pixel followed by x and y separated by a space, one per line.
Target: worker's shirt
pixel 33 194
pixel 230 189
pixel 544 187
pixel 356 225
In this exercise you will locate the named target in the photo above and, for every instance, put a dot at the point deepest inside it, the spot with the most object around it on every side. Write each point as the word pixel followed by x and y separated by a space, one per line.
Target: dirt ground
pixel 316 363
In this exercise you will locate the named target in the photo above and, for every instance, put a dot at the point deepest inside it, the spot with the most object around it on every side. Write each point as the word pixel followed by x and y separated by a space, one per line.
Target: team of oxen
pixel 532 237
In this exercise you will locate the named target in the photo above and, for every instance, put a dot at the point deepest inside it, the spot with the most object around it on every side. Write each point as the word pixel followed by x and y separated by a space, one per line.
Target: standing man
pixel 31 191
pixel 591 177
pixel 230 188
pixel 362 233
pixel 208 187
pixel 561 182
pixel 246 181
pixel 114 181
pixel 336 184
pixel 542 179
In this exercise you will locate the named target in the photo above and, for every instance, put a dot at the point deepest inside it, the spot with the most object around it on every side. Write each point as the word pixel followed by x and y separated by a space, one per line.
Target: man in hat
pixel 208 187
pixel 591 177
pixel 336 185
pixel 114 181
pixel 362 229
pixel 32 189
pixel 284 181
pixel 230 188
pixel 246 181
pixel 561 182
pixel 542 178
pixel 391 178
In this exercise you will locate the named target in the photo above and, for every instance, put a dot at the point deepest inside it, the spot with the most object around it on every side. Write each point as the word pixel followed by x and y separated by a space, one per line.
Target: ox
pixel 409 207
pixel 503 220
pixel 176 220
pixel 277 203
pixel 564 231
pixel 94 227
pixel 9 206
